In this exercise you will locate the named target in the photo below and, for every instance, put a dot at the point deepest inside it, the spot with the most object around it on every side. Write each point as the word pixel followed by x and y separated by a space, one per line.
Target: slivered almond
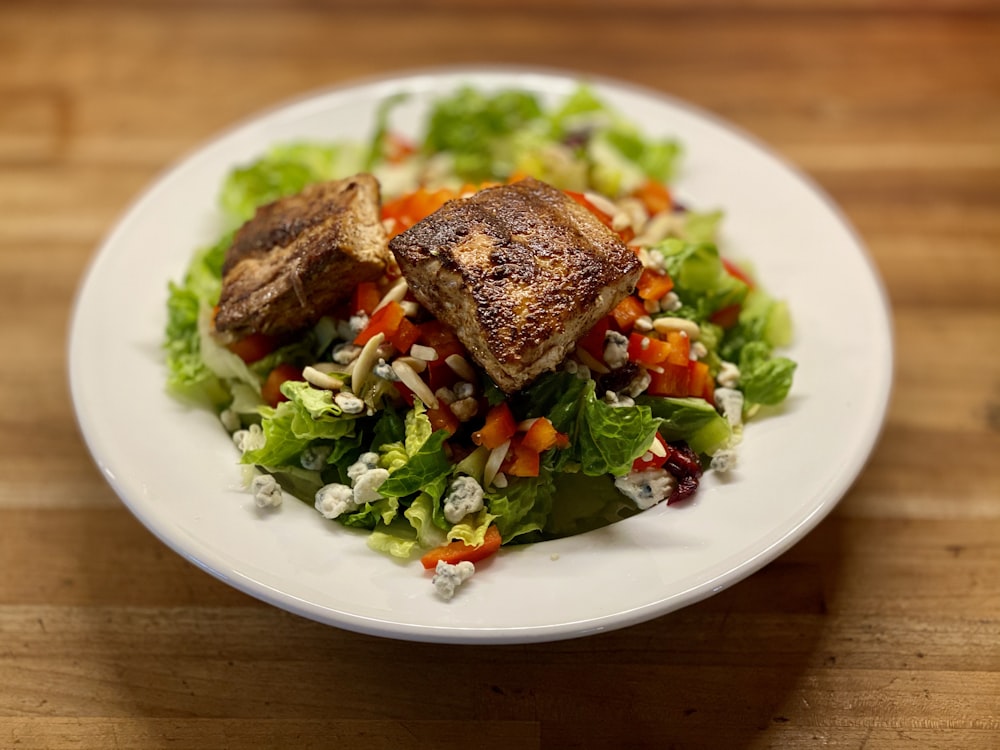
pixel 364 362
pixel 321 379
pixel 494 462
pixel 395 294
pixel 408 377
pixel 668 324
pixel 461 367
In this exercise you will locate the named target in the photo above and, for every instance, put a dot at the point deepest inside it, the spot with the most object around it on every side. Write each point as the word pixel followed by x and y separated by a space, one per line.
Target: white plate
pixel 177 471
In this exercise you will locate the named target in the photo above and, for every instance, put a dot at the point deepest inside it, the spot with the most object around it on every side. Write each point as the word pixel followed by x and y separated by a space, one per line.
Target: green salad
pixel 378 415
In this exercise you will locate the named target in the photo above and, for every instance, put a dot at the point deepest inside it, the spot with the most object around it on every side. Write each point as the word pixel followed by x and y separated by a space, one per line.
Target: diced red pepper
pixel 627 312
pixel 734 270
pixel 254 347
pixel 499 427
pixel 701 383
pixel 365 298
pixel 654 461
pixel 407 395
pixel 680 348
pixel 443 418
pixel 645 350
pixel 407 210
pixel 406 335
pixel 459 551
pixel 385 320
pixel 271 390
pixel 673 380
pixel 653 284
pixel 726 317
pixel 655 196
pixel 435 333
pixel 521 460
pixel 593 341
pixel 542 435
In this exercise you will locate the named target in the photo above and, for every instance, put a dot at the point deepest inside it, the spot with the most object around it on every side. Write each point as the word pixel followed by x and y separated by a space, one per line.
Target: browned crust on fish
pixel 301 256
pixel 520 271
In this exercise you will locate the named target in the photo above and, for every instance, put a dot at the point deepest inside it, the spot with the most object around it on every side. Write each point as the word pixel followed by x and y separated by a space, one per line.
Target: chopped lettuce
pixel 765 379
pixel 284 170
pixel 523 506
pixel 188 375
pixel 604 439
pixel 700 279
pixel 693 420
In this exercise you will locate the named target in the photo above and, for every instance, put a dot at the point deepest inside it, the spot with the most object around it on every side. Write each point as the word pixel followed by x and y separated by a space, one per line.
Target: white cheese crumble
pixel 646 488
pixel 464 497
pixel 266 491
pixel 447 577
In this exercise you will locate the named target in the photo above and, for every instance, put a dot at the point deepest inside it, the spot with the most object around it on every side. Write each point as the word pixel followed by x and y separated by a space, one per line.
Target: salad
pixel 378 415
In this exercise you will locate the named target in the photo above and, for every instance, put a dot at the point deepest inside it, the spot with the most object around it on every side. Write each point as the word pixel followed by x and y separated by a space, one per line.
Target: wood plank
pixel 263 734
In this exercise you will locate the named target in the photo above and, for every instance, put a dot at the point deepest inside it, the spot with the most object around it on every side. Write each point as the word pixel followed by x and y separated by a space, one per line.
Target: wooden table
pixel 881 628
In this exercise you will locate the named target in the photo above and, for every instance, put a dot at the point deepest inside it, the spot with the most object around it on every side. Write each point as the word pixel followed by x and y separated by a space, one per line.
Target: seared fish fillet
pixel 301 256
pixel 520 272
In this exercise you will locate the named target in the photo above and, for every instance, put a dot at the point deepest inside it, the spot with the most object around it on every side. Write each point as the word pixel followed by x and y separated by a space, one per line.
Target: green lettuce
pixel 475 128
pixel 284 170
pixel 764 379
pixel 187 374
pixel 700 279
pixel 693 420
pixel 292 425
pixel 523 506
pixel 604 439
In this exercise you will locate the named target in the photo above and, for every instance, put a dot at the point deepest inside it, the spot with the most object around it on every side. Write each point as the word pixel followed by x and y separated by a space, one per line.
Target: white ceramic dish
pixel 176 469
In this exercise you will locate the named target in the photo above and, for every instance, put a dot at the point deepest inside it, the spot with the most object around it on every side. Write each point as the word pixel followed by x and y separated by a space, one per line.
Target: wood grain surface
pixel 880 629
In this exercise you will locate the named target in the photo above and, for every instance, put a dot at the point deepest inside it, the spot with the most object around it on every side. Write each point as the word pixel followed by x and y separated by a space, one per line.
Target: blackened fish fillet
pixel 520 272
pixel 301 256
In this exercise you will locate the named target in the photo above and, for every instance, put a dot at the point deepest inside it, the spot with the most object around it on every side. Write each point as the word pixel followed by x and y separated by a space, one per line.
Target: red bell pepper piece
pixel 443 418
pixel 673 380
pixel 254 347
pixel 655 197
pixel 498 429
pixel 365 298
pixel 646 350
pixel 654 461
pixel 593 341
pixel 653 284
pixel 385 320
pixel 680 348
pixel 271 390
pixel 521 460
pixel 542 435
pixel 458 551
pixel 627 312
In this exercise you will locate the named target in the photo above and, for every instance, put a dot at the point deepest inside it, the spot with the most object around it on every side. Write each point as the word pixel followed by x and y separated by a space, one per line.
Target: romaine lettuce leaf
pixel 472 529
pixel 523 505
pixel 424 466
pixel 397 538
pixel 293 424
pixel 693 420
pixel 284 170
pixel 474 127
pixel 700 279
pixel 188 375
pixel 764 379
pixel 604 439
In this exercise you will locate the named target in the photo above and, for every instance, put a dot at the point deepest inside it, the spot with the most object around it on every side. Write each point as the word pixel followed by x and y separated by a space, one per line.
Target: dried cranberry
pixel 619 379
pixel 684 465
